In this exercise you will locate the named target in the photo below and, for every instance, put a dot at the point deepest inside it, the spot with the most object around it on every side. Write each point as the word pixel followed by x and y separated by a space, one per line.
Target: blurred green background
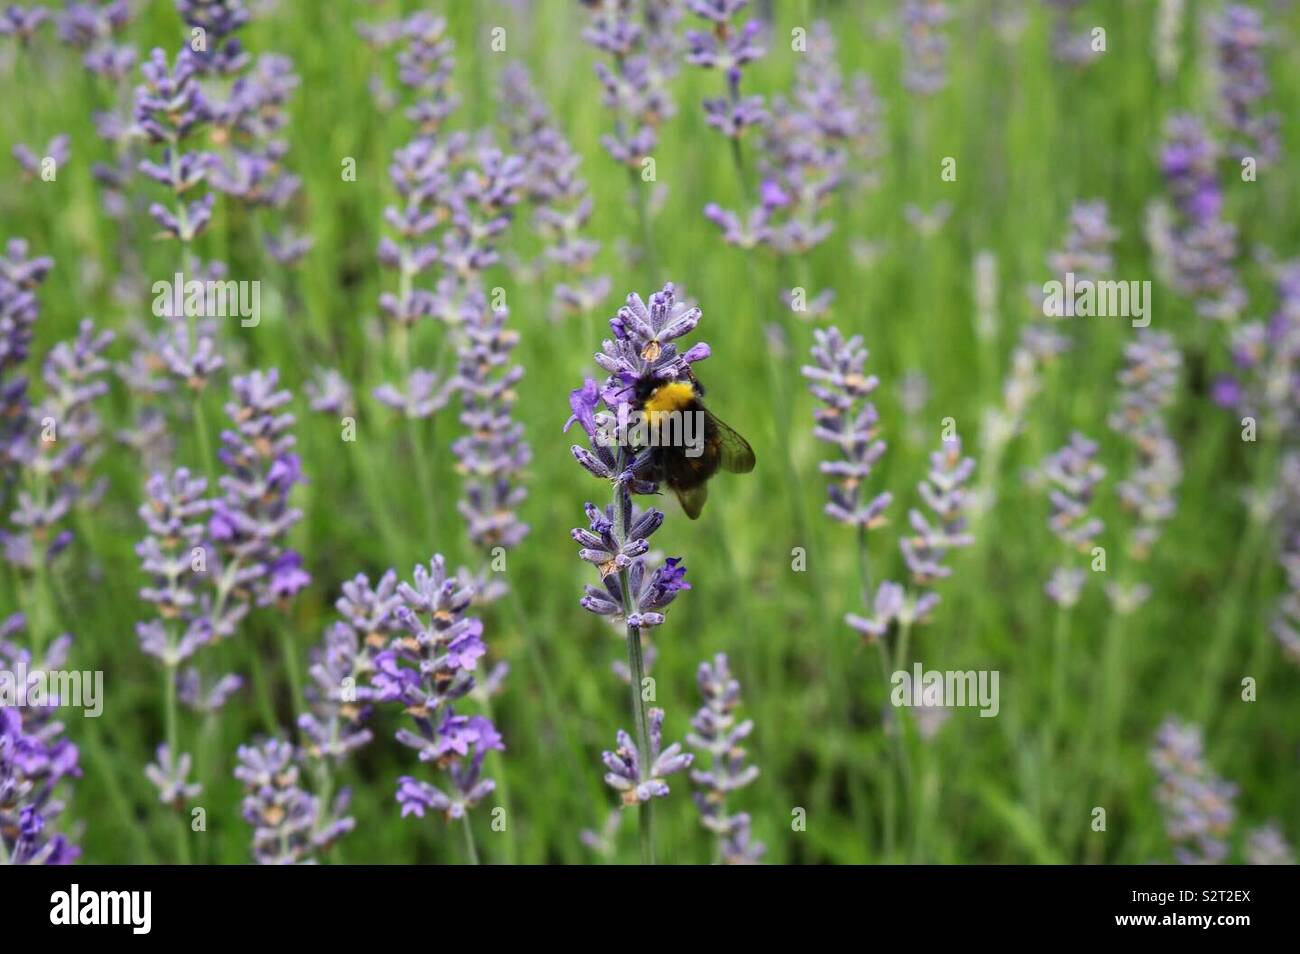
pixel 1030 137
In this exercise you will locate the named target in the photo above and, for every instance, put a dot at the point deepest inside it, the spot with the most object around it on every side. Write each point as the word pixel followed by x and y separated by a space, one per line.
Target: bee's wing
pixel 692 499
pixel 736 454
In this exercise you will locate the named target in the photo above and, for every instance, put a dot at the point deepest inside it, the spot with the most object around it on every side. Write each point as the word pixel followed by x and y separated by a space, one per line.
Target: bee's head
pixel 646 387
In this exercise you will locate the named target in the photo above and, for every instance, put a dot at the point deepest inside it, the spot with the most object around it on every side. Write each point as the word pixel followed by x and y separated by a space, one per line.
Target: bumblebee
pixel 686 475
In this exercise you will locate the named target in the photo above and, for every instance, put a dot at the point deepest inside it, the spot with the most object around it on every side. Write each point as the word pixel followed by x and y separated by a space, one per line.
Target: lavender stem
pixel 635 662
pixel 470 850
pixel 496 765
pixel 891 797
pixel 173 731
pixel 647 238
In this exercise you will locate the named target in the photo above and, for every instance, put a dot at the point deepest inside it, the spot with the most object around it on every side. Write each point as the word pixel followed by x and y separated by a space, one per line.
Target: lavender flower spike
pixel 727 47
pixel 35 761
pixel 1072 474
pixel 925 47
pixel 847 419
pixel 493 453
pixel 290 826
pixel 1195 246
pixel 1148 386
pixel 634 82
pixel 945 494
pixel 1268 846
pixel 1239 36
pixel 561 199
pixel 427 669
pixel 714 730
pixel 639 775
pixel 251 519
pixel 642 350
pixel 1197 804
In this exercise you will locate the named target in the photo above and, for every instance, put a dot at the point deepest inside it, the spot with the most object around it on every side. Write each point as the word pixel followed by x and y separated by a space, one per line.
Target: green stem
pixel 887 776
pixel 496 765
pixel 471 851
pixel 290 653
pixel 636 664
pixel 1060 654
pixel 647 236
pixel 424 479
pixel 173 735
pixel 905 725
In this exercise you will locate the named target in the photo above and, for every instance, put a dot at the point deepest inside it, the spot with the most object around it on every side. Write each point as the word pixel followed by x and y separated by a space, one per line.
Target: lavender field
pixel 328 534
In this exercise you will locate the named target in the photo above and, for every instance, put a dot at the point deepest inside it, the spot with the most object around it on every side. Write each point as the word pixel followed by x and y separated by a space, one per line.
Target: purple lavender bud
pixel 288 247
pixel 19 309
pixel 1071 45
pixel 925 47
pixel 338 695
pixel 1148 383
pixel 1197 805
pixel 35 761
pixel 174 515
pixel 1188 162
pixel 1088 242
pixel 604 842
pixel 22 22
pixel 634 82
pixel 944 492
pixel 425 65
pixel 1196 248
pixel 218 19
pixel 170 774
pixel 427 669
pixel 169 106
pixel 889 604
pixel 253 515
pixel 204 698
pixel 493 453
pixel 641 349
pixel 290 826
pixel 1065 586
pixel 848 420
pixel 725 46
pixel 56 150
pixel 1239 37
pixel 426 394
pixel 92 27
pixel 728 47
pixel 1267 355
pixel 56 442
pixel 1267 845
pixel 560 198
pixel 469 787
pixel 601 546
pixel 192 360
pixel 639 777
pixel 81 24
pixel 1126 599
pixel 369 610
pixel 1073 474
pixel 715 732
pixel 809 146
pixel 329 392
